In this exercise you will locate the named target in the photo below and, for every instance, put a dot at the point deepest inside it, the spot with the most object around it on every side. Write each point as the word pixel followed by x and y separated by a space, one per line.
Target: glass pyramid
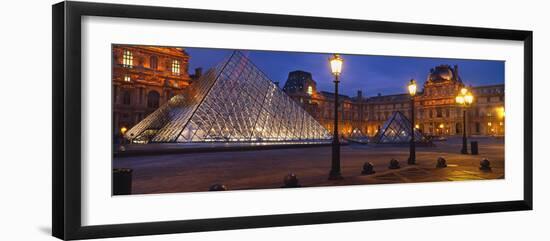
pixel 358 136
pixel 232 102
pixel 397 129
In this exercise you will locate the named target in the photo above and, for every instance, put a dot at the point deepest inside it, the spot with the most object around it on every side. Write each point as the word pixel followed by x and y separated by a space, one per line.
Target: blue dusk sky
pixel 371 74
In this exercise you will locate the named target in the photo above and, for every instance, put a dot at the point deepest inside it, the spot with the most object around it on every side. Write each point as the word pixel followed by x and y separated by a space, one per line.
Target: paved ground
pixel 267 168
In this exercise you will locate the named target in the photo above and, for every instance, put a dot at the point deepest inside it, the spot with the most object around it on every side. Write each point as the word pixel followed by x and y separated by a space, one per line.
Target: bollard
pixel 217 187
pixel 441 163
pixel 485 165
pixel 394 164
pixel 473 146
pixel 291 180
pixel 368 169
pixel 122 181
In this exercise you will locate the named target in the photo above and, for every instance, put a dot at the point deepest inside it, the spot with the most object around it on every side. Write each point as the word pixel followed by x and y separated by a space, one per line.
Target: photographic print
pixel 288 120
pixel 203 119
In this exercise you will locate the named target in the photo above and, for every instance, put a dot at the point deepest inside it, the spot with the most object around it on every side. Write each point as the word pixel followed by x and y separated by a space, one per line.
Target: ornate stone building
pixel 437 114
pixel 143 78
pixel 301 87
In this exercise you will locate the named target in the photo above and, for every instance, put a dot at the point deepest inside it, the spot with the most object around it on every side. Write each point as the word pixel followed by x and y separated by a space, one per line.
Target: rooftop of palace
pixel 479 90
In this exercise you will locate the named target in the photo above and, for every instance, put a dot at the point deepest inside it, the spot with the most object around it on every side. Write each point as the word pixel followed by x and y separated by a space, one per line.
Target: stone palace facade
pixel 144 78
pixel 436 113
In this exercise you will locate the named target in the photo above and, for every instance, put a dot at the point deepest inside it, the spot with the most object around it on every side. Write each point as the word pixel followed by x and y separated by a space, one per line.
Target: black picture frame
pixel 66 157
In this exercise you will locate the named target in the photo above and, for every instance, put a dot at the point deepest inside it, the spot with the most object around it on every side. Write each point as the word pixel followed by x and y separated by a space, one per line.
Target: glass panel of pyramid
pixel 233 102
pixel 397 129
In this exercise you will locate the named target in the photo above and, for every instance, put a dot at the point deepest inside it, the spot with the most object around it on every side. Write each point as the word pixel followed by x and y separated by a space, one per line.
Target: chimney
pixel 359 94
pixel 198 72
pixel 456 76
pixel 379 94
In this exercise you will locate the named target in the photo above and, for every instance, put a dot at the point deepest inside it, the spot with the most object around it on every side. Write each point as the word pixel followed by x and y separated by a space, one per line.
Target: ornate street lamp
pixel 412 149
pixel 123 130
pixel 336 67
pixel 123 141
pixel 464 99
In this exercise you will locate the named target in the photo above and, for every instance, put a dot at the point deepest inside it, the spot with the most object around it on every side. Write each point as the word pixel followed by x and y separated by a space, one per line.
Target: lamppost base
pixel 464 151
pixel 411 161
pixel 335 176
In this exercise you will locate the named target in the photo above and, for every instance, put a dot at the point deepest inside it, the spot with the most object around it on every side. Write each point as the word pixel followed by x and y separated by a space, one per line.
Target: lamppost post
pixel 464 99
pixel 335 172
pixel 412 149
pixel 464 149
pixel 122 146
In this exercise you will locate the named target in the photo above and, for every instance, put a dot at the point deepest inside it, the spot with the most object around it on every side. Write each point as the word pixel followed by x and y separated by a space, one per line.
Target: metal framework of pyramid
pixel 397 130
pixel 232 102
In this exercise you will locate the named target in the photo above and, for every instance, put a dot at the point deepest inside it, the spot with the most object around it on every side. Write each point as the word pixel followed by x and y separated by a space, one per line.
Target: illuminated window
pixel 310 90
pixel 127 59
pixel 175 67
pixel 127 78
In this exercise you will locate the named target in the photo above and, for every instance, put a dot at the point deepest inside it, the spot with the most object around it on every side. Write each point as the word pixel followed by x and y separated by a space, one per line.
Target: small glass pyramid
pixel 232 102
pixel 397 129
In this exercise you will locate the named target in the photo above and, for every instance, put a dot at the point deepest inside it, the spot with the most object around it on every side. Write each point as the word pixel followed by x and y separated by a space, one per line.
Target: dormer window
pixel 175 67
pixel 127 59
pixel 127 78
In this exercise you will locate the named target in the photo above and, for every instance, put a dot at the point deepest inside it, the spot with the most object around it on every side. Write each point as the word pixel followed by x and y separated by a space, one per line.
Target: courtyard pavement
pixel 260 169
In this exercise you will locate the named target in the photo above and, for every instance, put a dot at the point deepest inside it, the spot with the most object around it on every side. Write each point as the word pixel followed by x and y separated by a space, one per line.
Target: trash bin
pixel 473 145
pixel 122 181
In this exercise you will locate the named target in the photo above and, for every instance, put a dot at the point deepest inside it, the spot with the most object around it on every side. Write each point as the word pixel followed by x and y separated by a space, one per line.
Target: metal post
pixel 412 155
pixel 335 173
pixel 122 144
pixel 464 141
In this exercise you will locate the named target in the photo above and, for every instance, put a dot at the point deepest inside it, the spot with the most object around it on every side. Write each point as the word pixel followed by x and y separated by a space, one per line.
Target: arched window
pixel 126 97
pixel 153 62
pixel 153 99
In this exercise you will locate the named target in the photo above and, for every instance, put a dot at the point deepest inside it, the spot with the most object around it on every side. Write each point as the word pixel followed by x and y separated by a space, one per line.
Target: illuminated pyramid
pixel 232 102
pixel 397 129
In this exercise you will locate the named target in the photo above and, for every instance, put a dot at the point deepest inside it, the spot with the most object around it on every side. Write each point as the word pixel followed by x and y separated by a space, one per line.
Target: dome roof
pixel 441 73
